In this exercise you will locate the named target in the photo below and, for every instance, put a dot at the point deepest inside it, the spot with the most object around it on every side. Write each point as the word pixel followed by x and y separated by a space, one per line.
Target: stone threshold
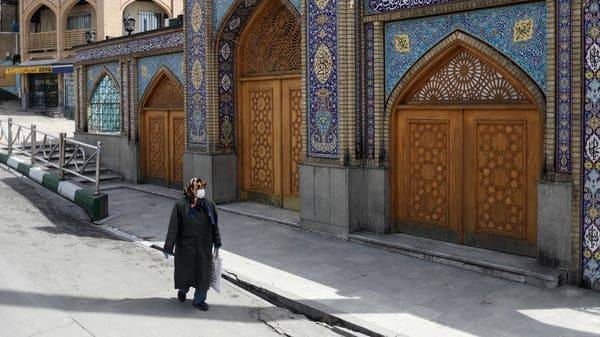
pixel 497 264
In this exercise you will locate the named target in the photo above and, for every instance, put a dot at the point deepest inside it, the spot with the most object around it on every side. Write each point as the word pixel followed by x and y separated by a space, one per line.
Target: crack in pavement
pixel 80 325
pixel 51 329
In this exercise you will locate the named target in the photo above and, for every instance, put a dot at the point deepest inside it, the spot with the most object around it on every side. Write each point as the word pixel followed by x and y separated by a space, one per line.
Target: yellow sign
pixel 28 70
pixel 6 80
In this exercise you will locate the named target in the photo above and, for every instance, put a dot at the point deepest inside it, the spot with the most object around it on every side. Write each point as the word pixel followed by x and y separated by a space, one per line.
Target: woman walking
pixel 193 232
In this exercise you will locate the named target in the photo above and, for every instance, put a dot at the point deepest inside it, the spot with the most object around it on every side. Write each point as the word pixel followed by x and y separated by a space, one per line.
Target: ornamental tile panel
pixel 322 79
pixel 518 32
pixel 130 47
pixel 563 89
pixel 370 89
pixel 149 66
pixel 591 142
pixel 196 107
pixel 382 6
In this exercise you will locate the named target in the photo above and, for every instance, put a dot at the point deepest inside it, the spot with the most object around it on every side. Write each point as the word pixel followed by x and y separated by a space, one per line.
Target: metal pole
pixel 33 147
pixel 98 154
pixel 9 135
pixel 61 155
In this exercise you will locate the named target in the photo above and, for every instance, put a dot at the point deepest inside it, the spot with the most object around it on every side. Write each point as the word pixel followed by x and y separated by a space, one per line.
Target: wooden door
pixel 502 167
pixel 291 139
pixel 176 148
pixel 429 176
pixel 155 140
pixel 163 144
pixel 271 140
pixel 469 176
pixel 261 140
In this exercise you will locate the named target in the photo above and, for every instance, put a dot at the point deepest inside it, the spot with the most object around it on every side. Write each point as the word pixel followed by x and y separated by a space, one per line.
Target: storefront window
pixel 105 107
pixel 43 90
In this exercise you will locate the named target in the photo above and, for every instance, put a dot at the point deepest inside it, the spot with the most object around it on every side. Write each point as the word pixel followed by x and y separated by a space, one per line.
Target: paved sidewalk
pixel 52 126
pixel 388 293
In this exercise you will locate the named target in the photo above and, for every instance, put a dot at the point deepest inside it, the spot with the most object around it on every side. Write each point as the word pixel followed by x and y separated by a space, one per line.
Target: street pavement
pixel 385 292
pixel 62 276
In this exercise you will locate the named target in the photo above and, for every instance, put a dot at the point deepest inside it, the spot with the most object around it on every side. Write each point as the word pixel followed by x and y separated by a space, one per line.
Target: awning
pixel 39 67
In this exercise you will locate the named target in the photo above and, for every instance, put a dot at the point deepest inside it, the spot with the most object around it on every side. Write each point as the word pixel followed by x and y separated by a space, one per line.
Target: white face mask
pixel 200 193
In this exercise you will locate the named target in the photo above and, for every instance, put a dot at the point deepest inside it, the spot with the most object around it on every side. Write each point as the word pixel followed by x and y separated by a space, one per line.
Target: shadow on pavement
pixel 152 306
pixel 68 218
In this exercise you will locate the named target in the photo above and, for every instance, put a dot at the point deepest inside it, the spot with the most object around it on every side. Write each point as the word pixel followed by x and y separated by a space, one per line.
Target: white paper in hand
pixel 215 277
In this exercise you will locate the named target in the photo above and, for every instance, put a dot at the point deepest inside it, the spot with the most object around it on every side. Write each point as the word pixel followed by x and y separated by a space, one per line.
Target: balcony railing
pixel 42 42
pixel 76 37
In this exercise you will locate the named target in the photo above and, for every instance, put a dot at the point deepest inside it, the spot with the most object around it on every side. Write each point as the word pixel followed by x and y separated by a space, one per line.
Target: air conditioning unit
pixel 174 22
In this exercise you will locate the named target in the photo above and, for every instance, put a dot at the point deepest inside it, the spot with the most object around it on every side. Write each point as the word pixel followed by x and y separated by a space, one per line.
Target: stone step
pixel 507 266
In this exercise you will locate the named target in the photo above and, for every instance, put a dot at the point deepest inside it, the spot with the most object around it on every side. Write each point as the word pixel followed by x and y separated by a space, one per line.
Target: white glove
pixel 166 255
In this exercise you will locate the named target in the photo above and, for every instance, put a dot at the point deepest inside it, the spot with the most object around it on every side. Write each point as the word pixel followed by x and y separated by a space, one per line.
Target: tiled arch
pixel 228 35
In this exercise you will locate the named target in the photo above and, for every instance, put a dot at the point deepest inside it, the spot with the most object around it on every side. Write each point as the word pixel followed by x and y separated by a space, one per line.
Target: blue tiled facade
pixel 494 26
pixel 95 70
pixel 149 66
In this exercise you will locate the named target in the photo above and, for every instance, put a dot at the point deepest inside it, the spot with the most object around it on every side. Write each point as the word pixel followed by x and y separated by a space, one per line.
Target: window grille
pixel 105 107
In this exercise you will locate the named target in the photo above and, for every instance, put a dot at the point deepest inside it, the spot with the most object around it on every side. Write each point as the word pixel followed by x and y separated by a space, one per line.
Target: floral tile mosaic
pixel 149 66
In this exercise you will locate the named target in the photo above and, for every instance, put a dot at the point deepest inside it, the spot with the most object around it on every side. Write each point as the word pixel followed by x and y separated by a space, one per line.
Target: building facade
pixel 468 121
pixel 51 29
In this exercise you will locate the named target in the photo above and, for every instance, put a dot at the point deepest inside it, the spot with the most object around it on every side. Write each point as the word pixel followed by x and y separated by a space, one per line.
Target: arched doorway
pixel 163 132
pixel 467 154
pixel 269 64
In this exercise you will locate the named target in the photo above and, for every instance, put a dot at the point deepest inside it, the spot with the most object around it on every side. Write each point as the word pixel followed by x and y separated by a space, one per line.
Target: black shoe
pixel 202 306
pixel 180 296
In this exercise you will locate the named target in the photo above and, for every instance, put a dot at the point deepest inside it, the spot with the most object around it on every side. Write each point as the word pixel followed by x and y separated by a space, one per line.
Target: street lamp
pixel 90 36
pixel 129 23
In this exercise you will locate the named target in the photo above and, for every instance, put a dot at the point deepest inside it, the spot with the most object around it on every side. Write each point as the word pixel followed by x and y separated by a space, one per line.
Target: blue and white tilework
pixel 591 141
pixel 563 83
pixel 381 6
pixel 196 107
pixel 220 8
pixel 227 84
pixel 370 89
pixel 494 26
pixel 149 66
pixel 132 47
pixel 322 79
pixel 95 70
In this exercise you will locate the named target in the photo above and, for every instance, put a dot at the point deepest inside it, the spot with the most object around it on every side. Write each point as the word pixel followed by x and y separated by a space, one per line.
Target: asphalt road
pixel 60 276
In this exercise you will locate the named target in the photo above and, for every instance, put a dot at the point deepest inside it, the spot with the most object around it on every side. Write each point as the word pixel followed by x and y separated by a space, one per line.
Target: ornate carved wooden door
pixel 502 164
pixel 430 178
pixel 155 140
pixel 467 157
pixel 163 143
pixel 271 140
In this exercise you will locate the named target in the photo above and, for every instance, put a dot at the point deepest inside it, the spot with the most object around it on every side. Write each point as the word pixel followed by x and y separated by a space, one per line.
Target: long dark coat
pixel 192 236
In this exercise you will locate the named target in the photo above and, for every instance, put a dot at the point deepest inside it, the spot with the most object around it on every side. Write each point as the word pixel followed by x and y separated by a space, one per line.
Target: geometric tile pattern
pixel 322 78
pixel 407 41
pixel 563 83
pixel 370 89
pixel 381 6
pixel 220 8
pixel 149 66
pixel 591 145
pixel 228 37
pixel 196 72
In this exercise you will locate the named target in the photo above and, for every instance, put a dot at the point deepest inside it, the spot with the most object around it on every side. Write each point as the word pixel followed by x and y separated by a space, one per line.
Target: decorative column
pixel 196 41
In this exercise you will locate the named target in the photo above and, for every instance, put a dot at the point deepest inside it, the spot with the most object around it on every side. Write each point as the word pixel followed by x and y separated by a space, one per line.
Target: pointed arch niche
pixel 162 130
pixel 229 33
pixel 466 149
pixel 104 104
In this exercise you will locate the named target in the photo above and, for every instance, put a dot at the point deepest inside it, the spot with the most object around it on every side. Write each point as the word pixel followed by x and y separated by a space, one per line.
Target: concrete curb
pixel 96 206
